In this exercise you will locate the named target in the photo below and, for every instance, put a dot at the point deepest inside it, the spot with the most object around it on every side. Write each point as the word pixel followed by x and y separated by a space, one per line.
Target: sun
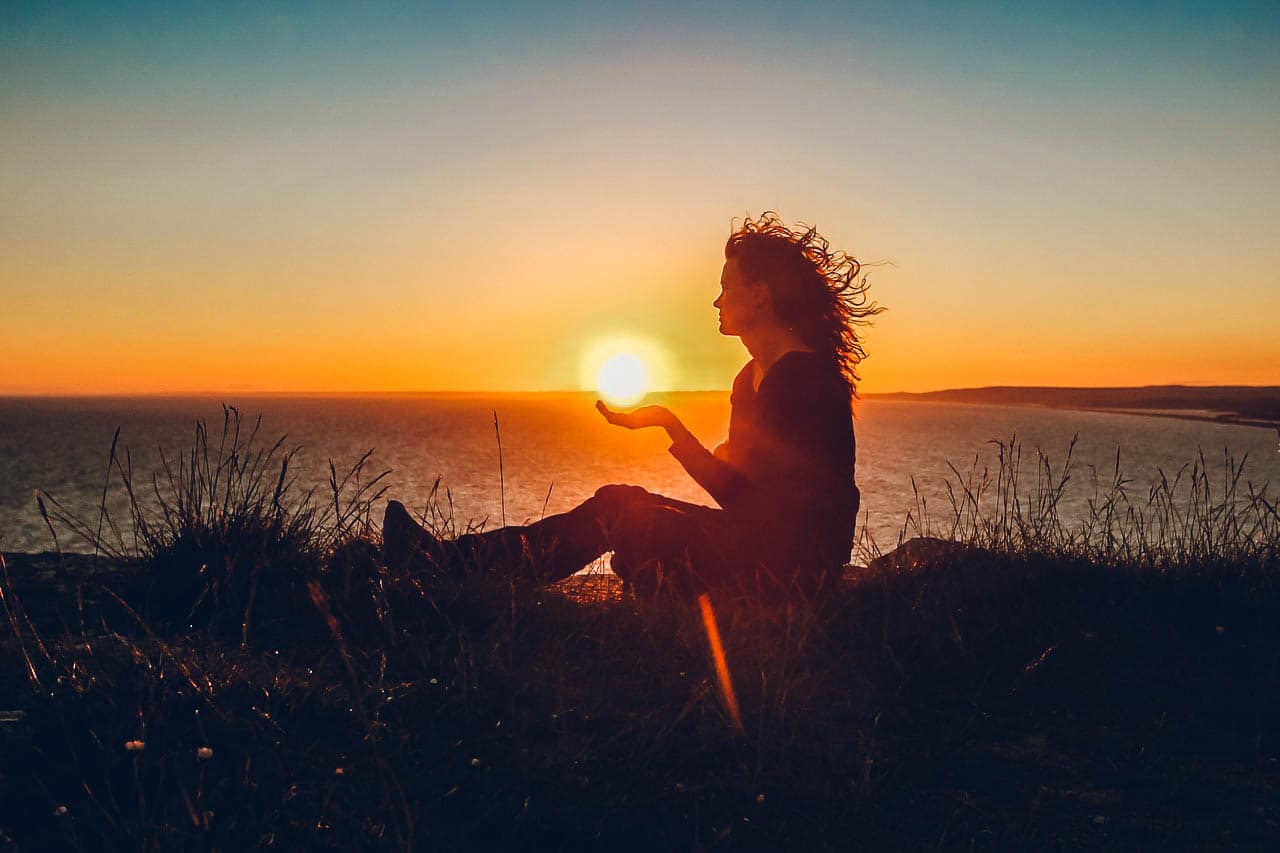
pixel 623 380
pixel 623 368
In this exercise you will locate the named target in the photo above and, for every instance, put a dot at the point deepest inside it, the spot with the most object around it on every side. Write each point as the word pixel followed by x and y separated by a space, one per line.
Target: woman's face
pixel 743 305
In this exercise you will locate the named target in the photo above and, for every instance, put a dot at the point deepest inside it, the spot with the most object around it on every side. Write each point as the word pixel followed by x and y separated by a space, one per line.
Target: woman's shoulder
pixel 802 363
pixel 806 373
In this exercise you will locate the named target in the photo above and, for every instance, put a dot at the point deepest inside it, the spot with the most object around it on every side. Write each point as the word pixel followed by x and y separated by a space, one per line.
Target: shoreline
pixel 1227 418
pixel 1237 405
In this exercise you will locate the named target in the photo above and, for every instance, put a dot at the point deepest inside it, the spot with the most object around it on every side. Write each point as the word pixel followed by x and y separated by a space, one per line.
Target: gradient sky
pixel 401 197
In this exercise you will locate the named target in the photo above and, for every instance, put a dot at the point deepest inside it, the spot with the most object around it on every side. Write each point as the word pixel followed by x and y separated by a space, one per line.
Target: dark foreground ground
pixel 962 701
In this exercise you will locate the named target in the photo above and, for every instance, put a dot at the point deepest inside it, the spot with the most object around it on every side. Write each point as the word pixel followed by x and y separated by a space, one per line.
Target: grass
pixel 254 679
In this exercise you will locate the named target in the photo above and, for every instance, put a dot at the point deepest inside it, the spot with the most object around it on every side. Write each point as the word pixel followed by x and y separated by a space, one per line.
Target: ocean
pixel 557 450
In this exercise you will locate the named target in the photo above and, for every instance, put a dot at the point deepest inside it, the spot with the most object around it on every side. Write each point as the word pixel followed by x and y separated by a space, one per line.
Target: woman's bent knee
pixel 616 496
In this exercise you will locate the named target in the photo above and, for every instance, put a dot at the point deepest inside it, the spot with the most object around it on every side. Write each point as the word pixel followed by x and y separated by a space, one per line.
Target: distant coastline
pixel 1241 405
pixel 1244 405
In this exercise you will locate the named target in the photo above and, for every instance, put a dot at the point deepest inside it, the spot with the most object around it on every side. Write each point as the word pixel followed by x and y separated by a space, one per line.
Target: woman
pixel 784 479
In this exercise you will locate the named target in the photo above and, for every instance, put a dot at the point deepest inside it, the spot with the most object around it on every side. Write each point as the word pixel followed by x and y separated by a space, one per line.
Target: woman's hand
pixel 645 416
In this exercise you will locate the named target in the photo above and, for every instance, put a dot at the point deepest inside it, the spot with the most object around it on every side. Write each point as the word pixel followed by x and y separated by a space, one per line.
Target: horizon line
pixel 551 392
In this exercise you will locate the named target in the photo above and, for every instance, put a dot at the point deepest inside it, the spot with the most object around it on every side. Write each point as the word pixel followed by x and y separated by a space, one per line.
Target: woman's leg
pixel 665 545
pixel 658 544
pixel 654 539
pixel 545 551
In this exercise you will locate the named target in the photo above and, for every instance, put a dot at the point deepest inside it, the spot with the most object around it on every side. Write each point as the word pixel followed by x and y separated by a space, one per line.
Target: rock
pixel 921 551
pixel 46 584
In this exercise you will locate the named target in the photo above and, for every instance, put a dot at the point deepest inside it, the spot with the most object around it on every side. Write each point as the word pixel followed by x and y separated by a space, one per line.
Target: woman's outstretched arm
pixel 719 477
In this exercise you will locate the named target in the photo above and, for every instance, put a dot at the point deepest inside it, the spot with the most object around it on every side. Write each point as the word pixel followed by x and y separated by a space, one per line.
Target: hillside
pixel 1240 404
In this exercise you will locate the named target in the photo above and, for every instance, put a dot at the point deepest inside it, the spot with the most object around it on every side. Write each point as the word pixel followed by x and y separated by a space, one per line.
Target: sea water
pixel 556 450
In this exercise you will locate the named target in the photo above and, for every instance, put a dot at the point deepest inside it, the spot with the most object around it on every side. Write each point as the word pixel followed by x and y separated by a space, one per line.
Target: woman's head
pixel 814 292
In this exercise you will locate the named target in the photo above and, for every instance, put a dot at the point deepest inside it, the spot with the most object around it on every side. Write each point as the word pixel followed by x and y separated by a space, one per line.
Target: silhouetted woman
pixel 784 479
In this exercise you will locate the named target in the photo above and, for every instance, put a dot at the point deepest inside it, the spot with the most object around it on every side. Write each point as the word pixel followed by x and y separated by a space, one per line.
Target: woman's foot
pixel 405 544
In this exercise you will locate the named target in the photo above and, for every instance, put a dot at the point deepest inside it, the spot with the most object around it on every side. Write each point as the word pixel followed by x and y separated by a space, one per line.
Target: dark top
pixel 787 467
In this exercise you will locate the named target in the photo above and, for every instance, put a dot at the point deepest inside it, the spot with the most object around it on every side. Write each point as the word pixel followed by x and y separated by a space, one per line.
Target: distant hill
pixel 1238 404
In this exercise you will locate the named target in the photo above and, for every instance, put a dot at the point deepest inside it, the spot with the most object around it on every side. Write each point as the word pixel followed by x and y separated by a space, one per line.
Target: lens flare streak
pixel 722 666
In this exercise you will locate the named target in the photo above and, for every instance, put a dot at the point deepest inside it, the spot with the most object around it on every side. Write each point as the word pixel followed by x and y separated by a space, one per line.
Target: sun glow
pixel 624 369
pixel 623 380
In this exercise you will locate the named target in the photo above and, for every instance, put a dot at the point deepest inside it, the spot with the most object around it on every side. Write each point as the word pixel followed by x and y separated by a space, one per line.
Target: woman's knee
pixel 616 497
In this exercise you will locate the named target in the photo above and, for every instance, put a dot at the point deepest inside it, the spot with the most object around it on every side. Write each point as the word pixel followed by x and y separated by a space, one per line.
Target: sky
pixel 400 197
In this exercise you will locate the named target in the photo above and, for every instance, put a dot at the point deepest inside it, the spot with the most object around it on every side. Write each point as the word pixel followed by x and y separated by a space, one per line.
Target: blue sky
pixel 1049 182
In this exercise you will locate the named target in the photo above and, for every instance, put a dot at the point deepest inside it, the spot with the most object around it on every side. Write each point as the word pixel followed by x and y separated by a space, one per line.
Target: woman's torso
pixel 792 436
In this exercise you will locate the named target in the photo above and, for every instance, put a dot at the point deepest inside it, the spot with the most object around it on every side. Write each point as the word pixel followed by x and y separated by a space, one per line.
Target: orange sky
pixel 479 219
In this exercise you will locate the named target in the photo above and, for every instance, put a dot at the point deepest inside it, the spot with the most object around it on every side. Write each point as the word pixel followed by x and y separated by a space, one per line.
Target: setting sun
pixel 623 380
pixel 623 368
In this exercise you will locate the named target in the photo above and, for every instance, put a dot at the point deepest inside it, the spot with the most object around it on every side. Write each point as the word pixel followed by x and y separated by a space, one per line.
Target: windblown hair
pixel 816 292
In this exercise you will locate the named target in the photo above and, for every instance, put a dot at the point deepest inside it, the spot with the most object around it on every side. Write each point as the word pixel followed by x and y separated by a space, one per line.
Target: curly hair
pixel 816 291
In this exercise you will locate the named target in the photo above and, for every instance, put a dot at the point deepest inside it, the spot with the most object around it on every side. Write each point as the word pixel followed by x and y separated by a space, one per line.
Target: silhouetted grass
pixel 219 536
pixel 1018 682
